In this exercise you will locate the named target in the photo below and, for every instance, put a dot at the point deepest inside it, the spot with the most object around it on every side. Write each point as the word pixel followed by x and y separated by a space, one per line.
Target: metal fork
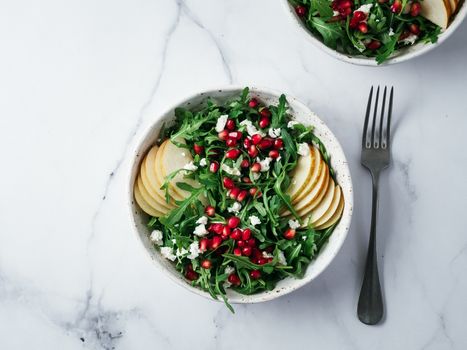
pixel 375 157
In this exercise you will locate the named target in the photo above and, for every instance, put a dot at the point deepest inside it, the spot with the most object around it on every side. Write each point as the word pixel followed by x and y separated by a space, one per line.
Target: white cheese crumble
pixel 190 166
pixel 251 129
pixel 335 13
pixel 156 237
pixel 181 252
pixel 202 220
pixel 391 32
pixel 229 170
pixel 303 149
pixel 221 121
pixel 203 162
pixel 304 238
pixel 235 208
pixel 254 220
pixel 194 250
pixel 167 253
pixel 364 8
pixel 174 241
pixel 410 40
pixel 255 176
pixel 200 230
pixel 294 224
pixel 292 123
pixel 281 257
pixel 265 163
pixel 267 255
pixel 274 133
pixel 229 269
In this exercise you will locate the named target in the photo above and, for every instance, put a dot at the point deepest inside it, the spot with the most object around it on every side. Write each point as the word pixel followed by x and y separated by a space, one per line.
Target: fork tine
pixel 388 128
pixel 374 119
pixel 367 117
pixel 382 118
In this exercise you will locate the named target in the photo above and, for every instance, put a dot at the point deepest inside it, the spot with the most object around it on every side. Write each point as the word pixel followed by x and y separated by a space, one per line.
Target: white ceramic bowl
pixel 302 114
pixel 400 56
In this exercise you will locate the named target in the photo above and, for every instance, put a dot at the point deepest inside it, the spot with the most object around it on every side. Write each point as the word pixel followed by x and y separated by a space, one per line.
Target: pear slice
pixel 144 205
pixel 300 175
pixel 315 172
pixel 436 11
pixel 334 218
pixel 332 209
pixel 453 5
pixel 322 207
pixel 158 169
pixel 148 199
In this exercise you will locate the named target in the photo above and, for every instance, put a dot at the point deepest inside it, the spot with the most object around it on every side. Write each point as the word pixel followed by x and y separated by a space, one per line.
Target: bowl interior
pixel 302 114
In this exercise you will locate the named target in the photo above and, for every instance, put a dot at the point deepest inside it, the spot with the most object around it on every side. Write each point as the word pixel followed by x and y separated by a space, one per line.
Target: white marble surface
pixel 80 80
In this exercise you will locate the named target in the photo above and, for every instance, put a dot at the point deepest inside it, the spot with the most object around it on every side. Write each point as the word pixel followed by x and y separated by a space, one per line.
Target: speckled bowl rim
pixel 401 56
pixel 288 285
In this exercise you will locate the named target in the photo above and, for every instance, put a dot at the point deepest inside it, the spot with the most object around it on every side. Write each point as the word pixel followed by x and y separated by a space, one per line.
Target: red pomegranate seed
pixel 374 45
pixel 359 16
pixel 210 210
pixel 274 154
pixel 203 244
pixel 262 261
pixel 245 163
pixel 278 143
pixel 257 253
pixel 198 148
pixel 247 142
pixel 233 221
pixel 237 251
pixel 251 242
pixel 253 103
pixel 253 191
pixel 232 153
pixel 255 274
pixel 252 151
pixel 191 275
pixel 206 264
pixel 256 139
pixel 300 11
pixel 231 142
pixel 228 183
pixel 216 242
pixel 246 180
pixel 405 34
pixel 237 135
pixel 223 135
pixel 242 195
pixel 246 234
pixel 362 27
pixel 265 143
pixel 240 243
pixel 230 125
pixel 213 167
pixel 236 234
pixel 216 228
pixel 414 29
pixel 234 279
pixel 246 251
pixel 256 168
pixel 289 234
pixel 415 9
pixel 226 232
pixel 263 122
pixel 233 193
pixel 346 4
pixel 265 113
pixel 396 7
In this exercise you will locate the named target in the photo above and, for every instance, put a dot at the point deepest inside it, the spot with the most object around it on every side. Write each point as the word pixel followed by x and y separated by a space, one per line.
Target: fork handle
pixel 370 302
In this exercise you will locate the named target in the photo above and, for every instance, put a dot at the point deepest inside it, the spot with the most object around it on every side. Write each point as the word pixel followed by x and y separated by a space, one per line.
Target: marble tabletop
pixel 81 80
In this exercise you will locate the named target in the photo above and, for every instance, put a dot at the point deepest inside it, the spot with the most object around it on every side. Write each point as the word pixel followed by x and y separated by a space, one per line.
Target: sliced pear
pixel 300 175
pixel 160 173
pixel 315 172
pixel 436 11
pixel 453 5
pixel 148 199
pixel 144 205
pixel 333 207
pixel 334 218
pixel 322 207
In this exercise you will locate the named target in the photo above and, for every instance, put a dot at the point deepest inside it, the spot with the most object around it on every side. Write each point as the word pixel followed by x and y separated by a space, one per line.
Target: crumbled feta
pixel 274 133
pixel 303 149
pixel 294 224
pixel 278 158
pixel 200 230
pixel 335 13
pixel 229 269
pixel 292 123
pixel 281 257
pixel 202 220
pixel 255 176
pixel 235 208
pixel 174 241
pixel 190 166
pixel 391 32
pixel 181 252
pixel 194 250
pixel 203 162
pixel 229 170
pixel 167 253
pixel 364 8
pixel 410 40
pixel 304 238
pixel 264 163
pixel 254 220
pixel 156 237
pixel 221 121
pixel 251 129
pixel 267 255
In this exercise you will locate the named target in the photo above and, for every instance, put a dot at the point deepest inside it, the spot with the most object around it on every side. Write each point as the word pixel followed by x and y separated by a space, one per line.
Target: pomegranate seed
pixel 263 122
pixel 345 11
pixel 246 180
pixel 213 167
pixel 362 27
pixel 242 195
pixel 247 142
pixel 255 274
pixel 278 143
pixel 256 138
pixel 245 163
pixel 236 135
pixel 206 264
pixel 198 148
pixel 396 7
pixel 191 275
pixel 246 234
pixel 353 23
pixel 232 153
pixel 216 242
pixel 414 29
pixel 236 234
pixel 256 168
pixel 231 142
pixel 234 279
pixel 374 45
pixel 405 34
pixel 230 125
pixel 226 232
pixel 210 210
pixel 233 193
pixel 274 154
pixel 346 4
pixel 262 261
pixel 228 183
pixel 246 251
pixel 251 242
pixel 233 221
pixel 300 11
pixel 359 16
pixel 203 244
pixel 289 234
pixel 223 135
pixel 237 251
pixel 265 113
pixel 240 243
pixel 253 103
pixel 253 191
pixel 252 151
pixel 265 143
pixel 415 9
pixel 216 228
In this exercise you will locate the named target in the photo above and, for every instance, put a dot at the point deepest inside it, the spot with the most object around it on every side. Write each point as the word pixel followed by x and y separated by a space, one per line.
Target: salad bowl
pixel 302 114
